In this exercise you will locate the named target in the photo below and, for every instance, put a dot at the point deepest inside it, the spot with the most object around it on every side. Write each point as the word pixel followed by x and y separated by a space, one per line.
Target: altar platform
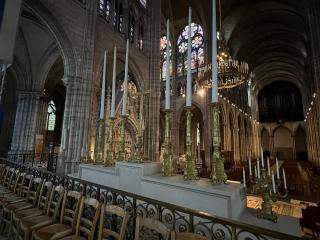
pixel 226 200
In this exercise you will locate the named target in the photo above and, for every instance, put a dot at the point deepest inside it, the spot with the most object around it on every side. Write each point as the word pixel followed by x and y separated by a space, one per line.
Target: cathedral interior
pixel 119 102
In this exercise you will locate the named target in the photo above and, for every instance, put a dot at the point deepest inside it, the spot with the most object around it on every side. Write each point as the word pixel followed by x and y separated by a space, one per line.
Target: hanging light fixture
pixel 231 72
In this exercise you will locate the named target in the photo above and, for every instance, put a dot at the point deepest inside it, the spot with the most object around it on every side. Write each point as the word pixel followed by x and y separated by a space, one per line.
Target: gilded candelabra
pixel 110 158
pixel 167 167
pixel 190 172
pixel 99 142
pixel 263 185
pixel 218 174
pixel 122 153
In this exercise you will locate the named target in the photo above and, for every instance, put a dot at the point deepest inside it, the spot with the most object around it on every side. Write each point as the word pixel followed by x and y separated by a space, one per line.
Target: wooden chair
pixel 9 181
pixel 29 224
pixel 186 236
pixel 151 224
pixel 86 226
pixel 117 211
pixel 68 219
pixel 14 190
pixel 32 193
pixel 42 203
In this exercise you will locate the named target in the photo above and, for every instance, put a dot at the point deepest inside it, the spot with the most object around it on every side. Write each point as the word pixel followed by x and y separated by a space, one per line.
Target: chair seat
pixel 28 213
pixel 55 231
pixel 74 237
pixel 17 206
pixel 30 223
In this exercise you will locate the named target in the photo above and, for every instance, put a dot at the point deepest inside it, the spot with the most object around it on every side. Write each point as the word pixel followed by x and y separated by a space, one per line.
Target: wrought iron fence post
pixel 134 216
pixel 23 158
pixel 234 233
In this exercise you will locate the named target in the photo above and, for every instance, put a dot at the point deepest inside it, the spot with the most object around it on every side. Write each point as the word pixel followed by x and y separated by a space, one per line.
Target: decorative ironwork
pixel 123 153
pixel 263 185
pixel 98 158
pixel 218 174
pixel 110 158
pixel 190 172
pixel 174 217
pixel 167 167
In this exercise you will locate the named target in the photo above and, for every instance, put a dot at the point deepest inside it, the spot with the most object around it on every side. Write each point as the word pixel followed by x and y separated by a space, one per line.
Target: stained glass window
pixel 163 57
pixel 51 117
pixel 197 51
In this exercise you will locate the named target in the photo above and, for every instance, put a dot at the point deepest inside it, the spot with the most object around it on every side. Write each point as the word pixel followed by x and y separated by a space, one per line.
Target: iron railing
pixel 46 161
pixel 175 217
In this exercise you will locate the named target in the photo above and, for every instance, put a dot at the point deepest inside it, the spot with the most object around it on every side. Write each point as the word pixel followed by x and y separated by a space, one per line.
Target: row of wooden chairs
pixel 30 208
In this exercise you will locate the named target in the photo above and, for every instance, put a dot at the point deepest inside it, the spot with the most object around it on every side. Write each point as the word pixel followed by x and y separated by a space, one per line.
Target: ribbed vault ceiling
pixel 271 35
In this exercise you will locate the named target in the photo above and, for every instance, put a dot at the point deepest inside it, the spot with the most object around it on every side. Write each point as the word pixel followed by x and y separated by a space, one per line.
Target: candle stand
pixel 190 172
pixel 122 152
pixel 110 158
pixel 99 142
pixel 264 186
pixel 167 167
pixel 218 174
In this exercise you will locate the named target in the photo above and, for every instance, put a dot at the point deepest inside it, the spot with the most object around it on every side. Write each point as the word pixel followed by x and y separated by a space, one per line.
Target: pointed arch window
pixel 51 116
pixel 163 57
pixel 197 50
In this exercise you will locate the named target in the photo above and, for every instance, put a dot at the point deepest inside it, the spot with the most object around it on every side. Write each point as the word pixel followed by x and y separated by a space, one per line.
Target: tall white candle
pixel 114 72
pixel 268 163
pixel 214 71
pixel 125 83
pixel 277 166
pixel 103 90
pixel 189 80
pixel 262 160
pixel 250 171
pixel 244 177
pixel 273 183
pixel 167 105
pixel 284 178
pixel 258 168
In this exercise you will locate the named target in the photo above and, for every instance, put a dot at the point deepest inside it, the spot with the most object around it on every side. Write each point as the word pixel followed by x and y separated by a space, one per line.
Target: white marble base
pixel 144 179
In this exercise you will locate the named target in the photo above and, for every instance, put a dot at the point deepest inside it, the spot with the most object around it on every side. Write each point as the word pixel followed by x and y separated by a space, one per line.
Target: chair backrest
pixel 88 217
pixel 19 183
pixel 70 208
pixel 186 236
pixel 14 175
pixel 55 202
pixel 151 224
pixel 34 190
pixel 26 185
pixel 44 195
pixel 118 212
pixel 4 174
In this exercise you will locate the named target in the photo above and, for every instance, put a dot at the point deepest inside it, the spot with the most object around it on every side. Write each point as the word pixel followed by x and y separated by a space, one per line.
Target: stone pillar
pixel 25 126
pixel 153 116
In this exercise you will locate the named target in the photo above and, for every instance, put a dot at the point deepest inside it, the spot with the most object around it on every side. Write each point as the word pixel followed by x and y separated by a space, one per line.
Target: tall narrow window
pixel 197 52
pixel 163 57
pixel 131 26
pixel 120 18
pixel 140 36
pixel 51 116
pixel 115 14
pixel 101 7
pixel 107 10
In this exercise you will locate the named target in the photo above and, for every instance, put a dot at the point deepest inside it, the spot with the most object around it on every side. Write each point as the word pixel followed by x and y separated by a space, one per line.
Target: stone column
pixel 25 126
pixel 153 116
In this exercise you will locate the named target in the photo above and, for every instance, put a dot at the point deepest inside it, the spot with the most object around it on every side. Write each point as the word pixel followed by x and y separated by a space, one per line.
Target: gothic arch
pixel 57 31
